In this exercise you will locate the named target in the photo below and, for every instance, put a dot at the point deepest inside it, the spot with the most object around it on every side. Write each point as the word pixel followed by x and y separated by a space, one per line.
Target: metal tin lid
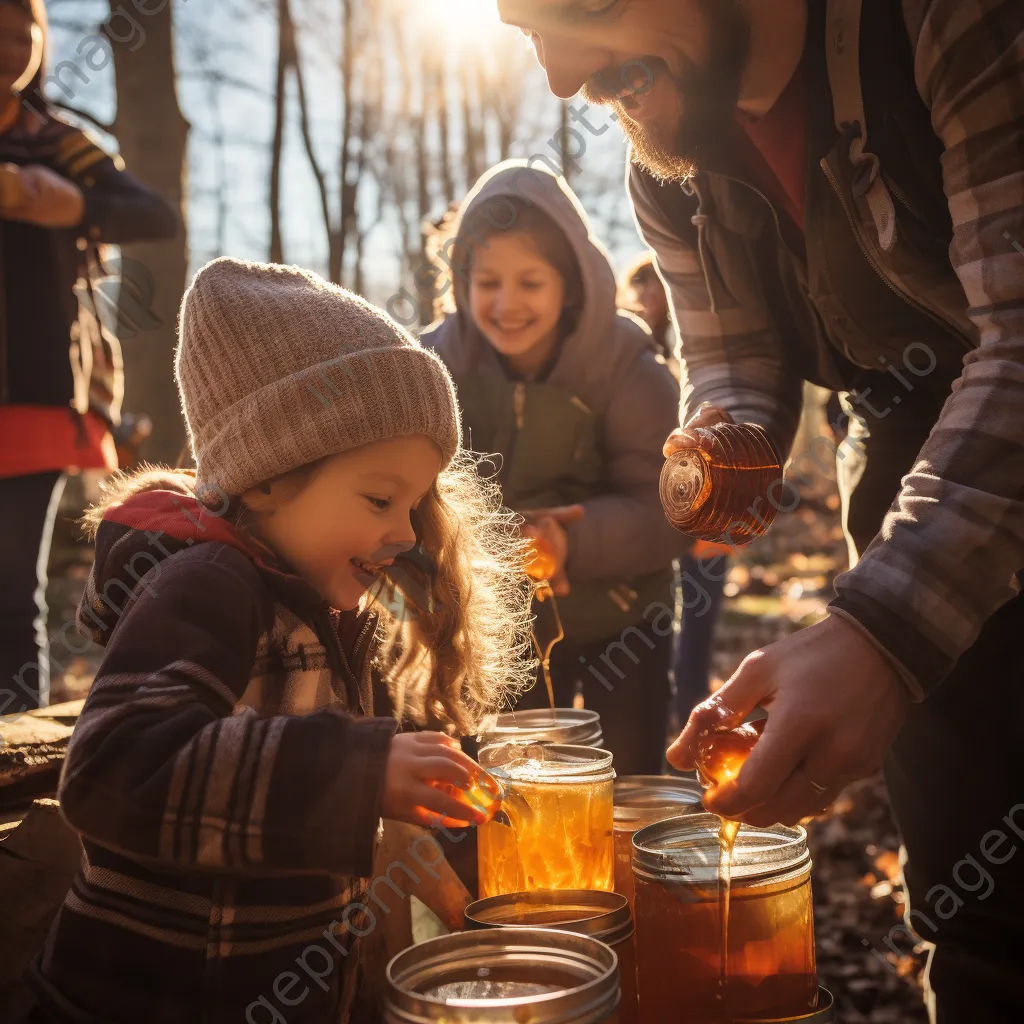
pixel 684 850
pixel 601 915
pixel 560 763
pixel 644 799
pixel 501 976
pixel 544 725
pixel 824 1014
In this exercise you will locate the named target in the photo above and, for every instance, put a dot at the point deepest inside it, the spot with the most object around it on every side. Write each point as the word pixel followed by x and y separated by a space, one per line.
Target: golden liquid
pixel 720 756
pixel 770 951
pixel 483 796
pixel 559 836
pixel 624 861
pixel 542 567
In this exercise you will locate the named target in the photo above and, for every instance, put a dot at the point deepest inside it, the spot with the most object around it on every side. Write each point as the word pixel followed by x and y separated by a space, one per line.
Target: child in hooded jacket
pixel 227 776
pixel 568 395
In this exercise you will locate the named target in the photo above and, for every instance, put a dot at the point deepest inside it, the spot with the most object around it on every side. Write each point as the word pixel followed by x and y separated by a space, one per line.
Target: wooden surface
pixel 38 859
pixel 32 749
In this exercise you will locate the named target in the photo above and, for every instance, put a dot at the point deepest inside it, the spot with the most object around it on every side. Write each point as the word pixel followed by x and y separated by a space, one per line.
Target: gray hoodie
pixel 607 364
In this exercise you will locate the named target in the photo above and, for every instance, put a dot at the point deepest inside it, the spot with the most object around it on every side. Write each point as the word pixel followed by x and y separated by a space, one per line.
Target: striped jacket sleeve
pixel 162 768
pixel 730 354
pixel 947 553
pixel 118 207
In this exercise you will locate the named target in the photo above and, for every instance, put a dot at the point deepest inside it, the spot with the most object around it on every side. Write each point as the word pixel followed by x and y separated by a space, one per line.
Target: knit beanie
pixel 278 368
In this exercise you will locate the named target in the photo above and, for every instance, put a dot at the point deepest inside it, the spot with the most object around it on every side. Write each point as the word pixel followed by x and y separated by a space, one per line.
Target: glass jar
pixel 495 977
pixel 544 725
pixel 824 1014
pixel 642 800
pixel 554 829
pixel 770 964
pixel 601 915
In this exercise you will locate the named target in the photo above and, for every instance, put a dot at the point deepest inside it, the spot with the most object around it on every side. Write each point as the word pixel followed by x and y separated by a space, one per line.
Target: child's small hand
pixel 415 761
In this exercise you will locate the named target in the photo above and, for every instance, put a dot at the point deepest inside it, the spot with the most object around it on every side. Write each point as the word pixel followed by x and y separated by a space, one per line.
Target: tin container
pixel 770 967
pixel 642 800
pixel 555 827
pixel 501 976
pixel 601 915
pixel 544 725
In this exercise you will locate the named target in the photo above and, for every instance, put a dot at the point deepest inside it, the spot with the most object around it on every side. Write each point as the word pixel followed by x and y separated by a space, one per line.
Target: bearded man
pixel 833 190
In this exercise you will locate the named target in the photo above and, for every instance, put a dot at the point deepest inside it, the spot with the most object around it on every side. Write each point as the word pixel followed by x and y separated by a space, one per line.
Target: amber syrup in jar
pixel 770 957
pixel 720 756
pixel 718 490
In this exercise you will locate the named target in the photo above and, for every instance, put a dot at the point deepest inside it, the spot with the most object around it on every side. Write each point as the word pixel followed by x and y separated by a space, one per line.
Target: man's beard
pixel 708 95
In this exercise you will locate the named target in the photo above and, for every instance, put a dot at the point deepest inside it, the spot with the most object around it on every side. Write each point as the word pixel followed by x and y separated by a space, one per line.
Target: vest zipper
pixel 882 273
pixel 519 412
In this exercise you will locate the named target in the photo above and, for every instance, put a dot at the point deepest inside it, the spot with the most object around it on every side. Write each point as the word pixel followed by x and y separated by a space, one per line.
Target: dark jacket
pixel 913 278
pixel 591 432
pixel 225 776
pixel 50 341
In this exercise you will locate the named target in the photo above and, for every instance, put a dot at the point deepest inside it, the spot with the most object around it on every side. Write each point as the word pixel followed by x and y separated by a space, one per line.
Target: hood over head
pixel 602 342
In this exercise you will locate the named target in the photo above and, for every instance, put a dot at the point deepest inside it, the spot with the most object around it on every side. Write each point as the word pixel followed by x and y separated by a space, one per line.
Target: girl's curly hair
pixel 454 630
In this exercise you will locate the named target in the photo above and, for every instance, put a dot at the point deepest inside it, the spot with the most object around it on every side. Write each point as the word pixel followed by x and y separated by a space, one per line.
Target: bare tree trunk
pixel 284 55
pixel 152 134
pixel 441 103
pixel 469 131
pixel 314 163
pixel 347 189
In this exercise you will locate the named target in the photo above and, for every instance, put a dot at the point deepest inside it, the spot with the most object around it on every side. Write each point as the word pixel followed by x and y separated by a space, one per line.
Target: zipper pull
pixel 519 404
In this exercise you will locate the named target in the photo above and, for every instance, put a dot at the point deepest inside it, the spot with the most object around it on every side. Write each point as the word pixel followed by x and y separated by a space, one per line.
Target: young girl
pixel 569 396
pixel 227 775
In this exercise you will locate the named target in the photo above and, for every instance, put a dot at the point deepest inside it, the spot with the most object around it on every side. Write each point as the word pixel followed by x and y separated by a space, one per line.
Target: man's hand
pixel 707 415
pixel 45 198
pixel 550 523
pixel 836 705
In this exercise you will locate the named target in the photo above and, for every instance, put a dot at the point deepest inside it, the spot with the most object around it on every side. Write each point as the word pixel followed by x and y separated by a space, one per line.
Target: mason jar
pixel 580 727
pixel 601 915
pixel 641 800
pixel 770 969
pixel 554 829
pixel 824 1014
pixel 498 976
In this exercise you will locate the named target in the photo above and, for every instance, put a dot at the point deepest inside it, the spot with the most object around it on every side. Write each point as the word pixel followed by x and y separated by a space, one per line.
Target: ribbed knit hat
pixel 278 368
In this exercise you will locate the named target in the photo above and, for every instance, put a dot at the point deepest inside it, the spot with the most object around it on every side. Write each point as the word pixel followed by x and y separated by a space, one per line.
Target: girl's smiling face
pixel 516 299
pixel 352 516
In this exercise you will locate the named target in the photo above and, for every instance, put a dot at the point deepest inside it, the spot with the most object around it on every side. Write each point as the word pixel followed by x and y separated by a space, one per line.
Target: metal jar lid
pixel 824 1014
pixel 645 799
pixel 684 850
pixel 601 915
pixel 503 976
pixel 544 725
pixel 559 763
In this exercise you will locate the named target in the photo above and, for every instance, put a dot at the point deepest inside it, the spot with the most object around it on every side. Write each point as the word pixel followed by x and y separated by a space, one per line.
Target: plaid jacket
pixel 952 542
pixel 226 788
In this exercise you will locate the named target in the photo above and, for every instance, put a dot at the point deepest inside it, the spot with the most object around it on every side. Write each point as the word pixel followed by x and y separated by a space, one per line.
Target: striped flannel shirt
pixel 227 789
pixel 949 550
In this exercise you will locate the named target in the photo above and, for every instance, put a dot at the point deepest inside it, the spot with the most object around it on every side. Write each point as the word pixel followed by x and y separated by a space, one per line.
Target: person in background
pixel 61 196
pixel 642 292
pixel 228 774
pixel 568 396
pixel 702 573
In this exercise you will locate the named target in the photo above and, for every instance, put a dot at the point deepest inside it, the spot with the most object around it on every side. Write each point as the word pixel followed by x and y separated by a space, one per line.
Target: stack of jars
pixel 549 941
